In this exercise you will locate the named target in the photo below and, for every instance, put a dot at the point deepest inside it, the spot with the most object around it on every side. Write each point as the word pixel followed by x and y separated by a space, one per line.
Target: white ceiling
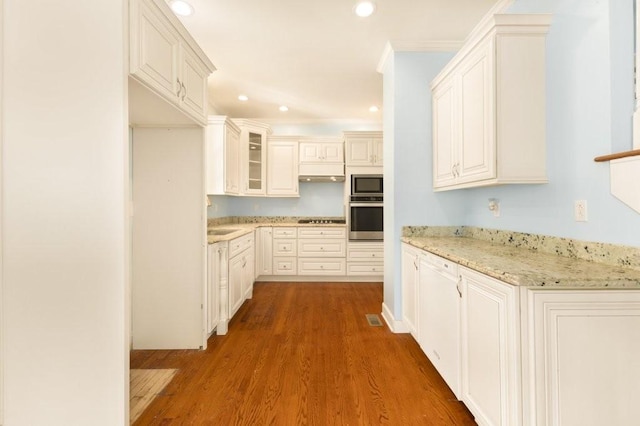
pixel 318 58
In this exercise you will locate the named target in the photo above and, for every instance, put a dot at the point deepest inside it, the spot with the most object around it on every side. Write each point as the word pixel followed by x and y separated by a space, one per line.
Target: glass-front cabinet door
pixel 256 182
pixel 253 143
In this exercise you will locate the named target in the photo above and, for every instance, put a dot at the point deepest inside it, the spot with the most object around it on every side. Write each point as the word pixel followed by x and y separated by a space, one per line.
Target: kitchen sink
pixel 221 231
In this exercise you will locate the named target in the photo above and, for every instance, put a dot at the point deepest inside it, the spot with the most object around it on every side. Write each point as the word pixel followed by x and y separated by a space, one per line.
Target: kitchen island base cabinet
pixel 590 337
pixel 491 385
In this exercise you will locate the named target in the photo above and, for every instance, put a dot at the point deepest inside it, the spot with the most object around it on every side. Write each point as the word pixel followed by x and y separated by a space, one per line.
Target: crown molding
pixel 416 46
pixel 438 45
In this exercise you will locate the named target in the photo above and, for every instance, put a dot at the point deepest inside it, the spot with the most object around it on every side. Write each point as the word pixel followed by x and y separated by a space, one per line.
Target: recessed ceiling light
pixel 243 98
pixel 373 108
pixel 364 8
pixel 284 108
pixel 181 7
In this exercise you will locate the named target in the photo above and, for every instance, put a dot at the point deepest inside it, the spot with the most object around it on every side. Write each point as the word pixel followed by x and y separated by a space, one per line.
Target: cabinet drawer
pixel 366 269
pixel 322 248
pixel 363 255
pixel 444 266
pixel 284 232
pixel 284 248
pixel 238 245
pixel 320 232
pixel 321 266
pixel 284 266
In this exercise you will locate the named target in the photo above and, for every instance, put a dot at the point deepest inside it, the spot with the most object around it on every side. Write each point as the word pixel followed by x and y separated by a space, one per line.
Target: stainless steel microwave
pixel 366 184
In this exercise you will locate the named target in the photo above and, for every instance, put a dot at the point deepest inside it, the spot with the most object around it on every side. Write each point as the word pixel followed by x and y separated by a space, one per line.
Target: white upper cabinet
pixel 489 107
pixel 363 148
pixel 282 166
pixel 166 59
pixel 222 153
pixel 253 156
pixel 321 157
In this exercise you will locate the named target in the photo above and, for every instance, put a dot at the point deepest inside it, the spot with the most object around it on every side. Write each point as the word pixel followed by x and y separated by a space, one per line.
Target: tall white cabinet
pixel 282 166
pixel 489 107
pixel 222 155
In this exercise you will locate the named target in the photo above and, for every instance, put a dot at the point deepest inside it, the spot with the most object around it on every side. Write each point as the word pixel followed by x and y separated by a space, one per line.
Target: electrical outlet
pixel 580 210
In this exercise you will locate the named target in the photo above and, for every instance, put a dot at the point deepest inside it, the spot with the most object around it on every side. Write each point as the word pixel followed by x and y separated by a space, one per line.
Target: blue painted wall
pixel 589 106
pixel 409 198
pixel 316 199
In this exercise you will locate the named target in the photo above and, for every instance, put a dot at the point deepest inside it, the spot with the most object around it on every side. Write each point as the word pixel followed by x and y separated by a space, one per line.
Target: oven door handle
pixel 366 204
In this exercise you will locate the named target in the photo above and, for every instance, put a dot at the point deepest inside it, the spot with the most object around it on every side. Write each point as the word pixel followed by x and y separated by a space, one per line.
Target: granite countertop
pixel 245 228
pixel 526 267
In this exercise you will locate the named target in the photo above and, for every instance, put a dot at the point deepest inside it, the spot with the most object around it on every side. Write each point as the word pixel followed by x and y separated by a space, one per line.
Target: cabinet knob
pixel 373 255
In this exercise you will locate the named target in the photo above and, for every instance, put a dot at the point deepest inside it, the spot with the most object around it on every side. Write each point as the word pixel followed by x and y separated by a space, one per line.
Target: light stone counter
pixel 532 260
pixel 243 226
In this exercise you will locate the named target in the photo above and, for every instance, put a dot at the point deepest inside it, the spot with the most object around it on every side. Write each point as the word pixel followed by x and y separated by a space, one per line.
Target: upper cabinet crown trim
pixel 222 120
pixel 497 24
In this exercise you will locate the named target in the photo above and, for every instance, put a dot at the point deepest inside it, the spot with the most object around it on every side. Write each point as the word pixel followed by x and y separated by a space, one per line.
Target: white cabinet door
pixel 253 156
pixel 359 152
pixel 154 49
pixel 264 251
pixel 282 168
pixel 222 156
pixel 232 161
pixel 476 156
pixel 584 347
pixel 490 324
pixel 377 151
pixel 444 134
pixel 439 316
pixel 410 265
pixel 236 274
pixel 193 76
pixel 248 273
pixel 332 152
pixel 214 253
pixel 165 61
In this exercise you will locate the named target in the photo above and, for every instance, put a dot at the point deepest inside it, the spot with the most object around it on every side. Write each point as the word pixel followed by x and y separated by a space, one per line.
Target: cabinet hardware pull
pixel 458 286
pixel 184 91
pixel 179 87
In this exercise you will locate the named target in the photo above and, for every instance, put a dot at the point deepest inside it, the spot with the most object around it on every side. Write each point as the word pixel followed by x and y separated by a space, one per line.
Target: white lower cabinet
pixel 322 251
pixel 365 258
pixel 285 245
pixel 438 326
pixel 264 251
pixel 583 348
pixel 490 336
pixel 410 265
pixel 241 271
pixel 217 258
pixel 525 355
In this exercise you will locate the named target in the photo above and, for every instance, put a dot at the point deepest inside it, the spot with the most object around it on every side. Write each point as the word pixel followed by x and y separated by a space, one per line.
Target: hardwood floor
pixel 303 354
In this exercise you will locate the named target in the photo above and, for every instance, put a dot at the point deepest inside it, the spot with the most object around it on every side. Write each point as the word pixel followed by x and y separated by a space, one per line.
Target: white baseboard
pixel 394 325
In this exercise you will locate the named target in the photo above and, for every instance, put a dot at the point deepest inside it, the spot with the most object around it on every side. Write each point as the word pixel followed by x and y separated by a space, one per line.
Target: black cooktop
pixel 323 221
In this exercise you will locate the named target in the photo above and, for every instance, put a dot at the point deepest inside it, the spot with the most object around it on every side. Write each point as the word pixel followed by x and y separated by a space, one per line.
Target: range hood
pixel 320 178
pixel 321 172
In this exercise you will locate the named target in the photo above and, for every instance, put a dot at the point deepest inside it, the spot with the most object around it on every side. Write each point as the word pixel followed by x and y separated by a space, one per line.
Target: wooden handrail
pixel 617 155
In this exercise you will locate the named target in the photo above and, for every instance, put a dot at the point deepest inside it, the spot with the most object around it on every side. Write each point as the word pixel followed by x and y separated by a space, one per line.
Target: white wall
pixel 63 211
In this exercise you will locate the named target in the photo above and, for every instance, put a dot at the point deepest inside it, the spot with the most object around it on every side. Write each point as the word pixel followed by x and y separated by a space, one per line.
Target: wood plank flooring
pixel 145 386
pixel 303 354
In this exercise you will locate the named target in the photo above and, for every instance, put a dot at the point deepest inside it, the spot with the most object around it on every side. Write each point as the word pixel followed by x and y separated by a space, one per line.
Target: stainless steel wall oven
pixel 366 208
